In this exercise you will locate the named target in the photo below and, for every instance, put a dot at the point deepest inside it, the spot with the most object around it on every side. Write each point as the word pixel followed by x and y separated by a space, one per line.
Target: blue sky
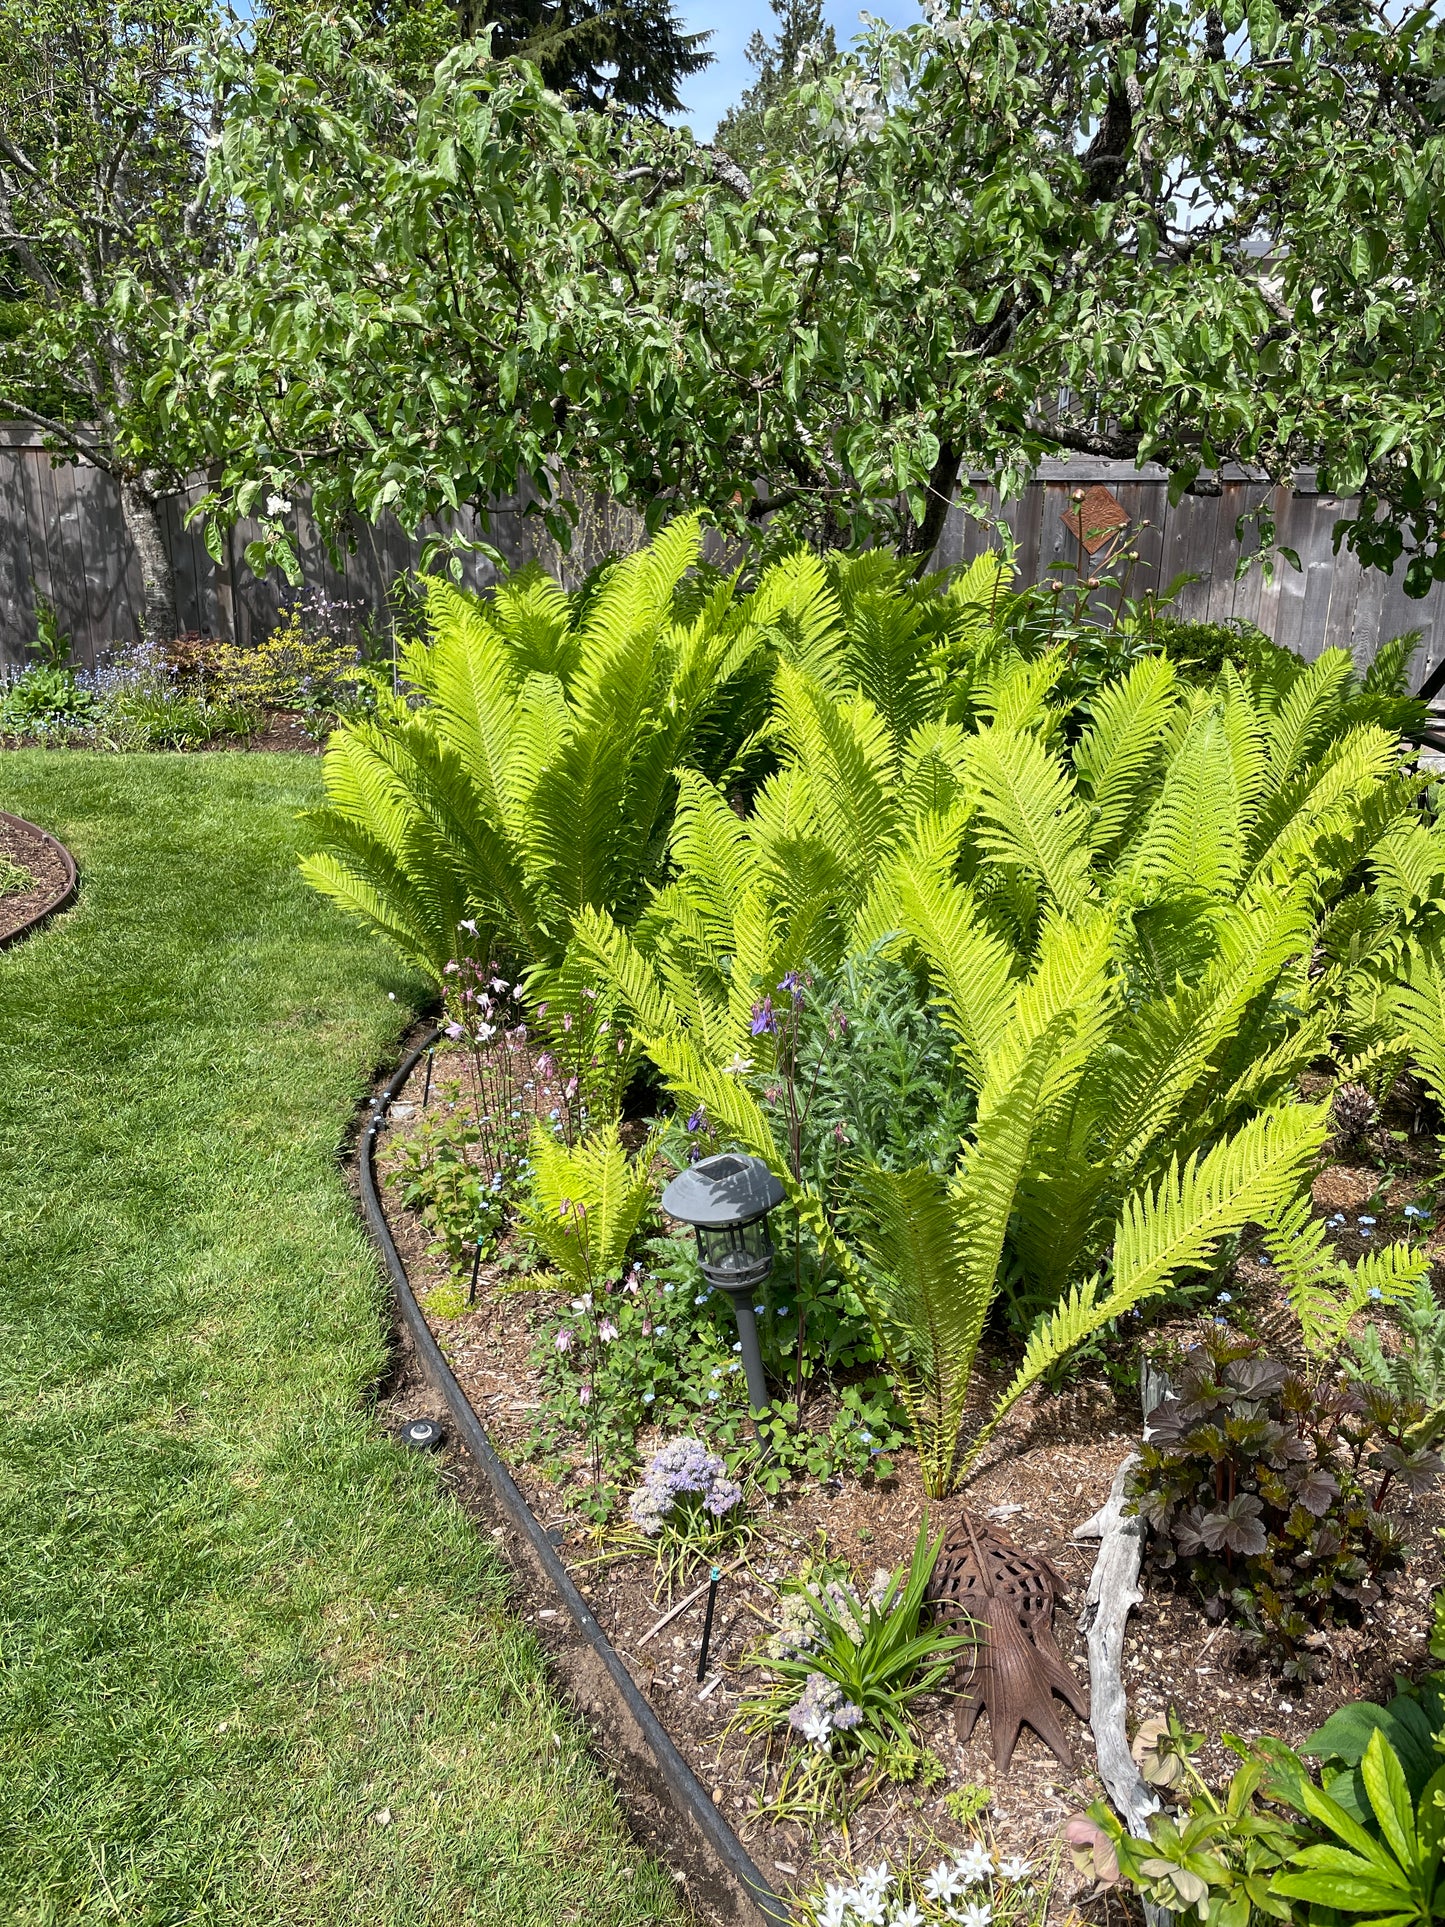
pixel 708 95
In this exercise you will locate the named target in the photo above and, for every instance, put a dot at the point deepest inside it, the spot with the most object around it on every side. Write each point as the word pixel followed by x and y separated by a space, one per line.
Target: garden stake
pixel 426 1092
pixel 713 1578
pixel 476 1267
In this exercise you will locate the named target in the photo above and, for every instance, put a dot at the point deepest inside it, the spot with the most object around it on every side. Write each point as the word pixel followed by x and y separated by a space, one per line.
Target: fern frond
pixel 1416 1003
pixel 586 1203
pixel 1299 728
pixel 1029 814
pixel 972 970
pixel 1189 842
pixel 844 752
pixel 1172 1226
pixel 1116 757
pixel 911 1236
pixel 1325 1293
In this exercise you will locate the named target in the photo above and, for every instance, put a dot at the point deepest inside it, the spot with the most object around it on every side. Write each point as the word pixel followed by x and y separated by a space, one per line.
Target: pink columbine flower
pixel 566 1020
pixel 607 1331
pixel 563 1340
pixel 584 1395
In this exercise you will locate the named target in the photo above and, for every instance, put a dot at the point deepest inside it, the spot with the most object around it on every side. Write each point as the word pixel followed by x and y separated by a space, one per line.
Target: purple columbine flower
pixel 698 1120
pixel 764 1017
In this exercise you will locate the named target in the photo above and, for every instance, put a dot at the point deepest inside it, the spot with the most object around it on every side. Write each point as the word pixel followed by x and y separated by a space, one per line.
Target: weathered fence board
pixel 62 535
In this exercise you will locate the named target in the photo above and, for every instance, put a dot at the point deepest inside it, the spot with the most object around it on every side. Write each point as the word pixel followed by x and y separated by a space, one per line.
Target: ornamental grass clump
pixel 848 1668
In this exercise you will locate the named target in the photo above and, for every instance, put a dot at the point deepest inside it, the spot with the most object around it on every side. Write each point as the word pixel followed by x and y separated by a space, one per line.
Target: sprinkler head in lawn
pixel 422 1434
pixel 726 1199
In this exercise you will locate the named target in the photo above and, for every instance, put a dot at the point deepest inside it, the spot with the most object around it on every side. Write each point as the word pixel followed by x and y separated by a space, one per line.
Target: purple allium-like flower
pixel 681 1471
pixel 764 1017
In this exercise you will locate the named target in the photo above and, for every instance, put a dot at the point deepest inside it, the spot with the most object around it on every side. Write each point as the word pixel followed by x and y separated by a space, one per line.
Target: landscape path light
pixel 726 1199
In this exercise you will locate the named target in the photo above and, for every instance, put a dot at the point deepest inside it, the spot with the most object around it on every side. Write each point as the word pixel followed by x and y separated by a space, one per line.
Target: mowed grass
pixel 255 1666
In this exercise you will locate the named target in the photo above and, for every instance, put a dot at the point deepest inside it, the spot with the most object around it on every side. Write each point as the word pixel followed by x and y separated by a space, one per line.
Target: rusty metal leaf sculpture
pixel 1002 1600
pixel 1096 518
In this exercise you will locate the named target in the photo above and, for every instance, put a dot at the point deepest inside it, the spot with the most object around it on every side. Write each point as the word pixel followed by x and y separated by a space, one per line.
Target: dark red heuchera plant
pixel 1266 1492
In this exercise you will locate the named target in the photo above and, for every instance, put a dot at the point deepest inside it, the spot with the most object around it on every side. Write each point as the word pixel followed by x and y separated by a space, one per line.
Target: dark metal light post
pixel 726 1199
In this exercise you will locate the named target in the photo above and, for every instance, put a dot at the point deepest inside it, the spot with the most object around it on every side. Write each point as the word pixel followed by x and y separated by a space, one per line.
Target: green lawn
pixel 254 1665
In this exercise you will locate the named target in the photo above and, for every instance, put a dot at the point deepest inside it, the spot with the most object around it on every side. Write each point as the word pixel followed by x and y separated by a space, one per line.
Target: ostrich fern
pixel 1119 940
pixel 531 770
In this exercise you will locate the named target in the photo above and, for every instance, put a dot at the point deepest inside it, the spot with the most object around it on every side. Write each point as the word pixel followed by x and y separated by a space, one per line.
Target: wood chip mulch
pixel 23 843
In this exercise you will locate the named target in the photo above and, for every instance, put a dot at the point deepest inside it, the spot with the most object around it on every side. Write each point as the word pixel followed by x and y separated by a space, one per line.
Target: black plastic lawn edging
pixel 67 891
pixel 719 1870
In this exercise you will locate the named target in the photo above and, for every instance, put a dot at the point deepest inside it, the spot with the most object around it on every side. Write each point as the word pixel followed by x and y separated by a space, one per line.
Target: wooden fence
pixel 62 536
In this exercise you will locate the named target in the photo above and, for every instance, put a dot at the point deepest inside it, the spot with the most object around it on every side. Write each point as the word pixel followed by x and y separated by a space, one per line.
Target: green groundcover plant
pixel 1364 1845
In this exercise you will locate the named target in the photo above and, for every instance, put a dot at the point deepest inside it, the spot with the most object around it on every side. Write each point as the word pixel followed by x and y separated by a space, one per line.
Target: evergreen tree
pixel 628 53
pixel 803 38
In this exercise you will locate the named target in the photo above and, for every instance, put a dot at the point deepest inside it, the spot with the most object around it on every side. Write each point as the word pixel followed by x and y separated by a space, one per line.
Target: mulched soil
pixel 281 730
pixel 23 844
pixel 1048 1470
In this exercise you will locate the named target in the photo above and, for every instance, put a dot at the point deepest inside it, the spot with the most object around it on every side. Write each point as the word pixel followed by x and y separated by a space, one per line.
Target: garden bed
pixel 48 864
pixel 1048 1469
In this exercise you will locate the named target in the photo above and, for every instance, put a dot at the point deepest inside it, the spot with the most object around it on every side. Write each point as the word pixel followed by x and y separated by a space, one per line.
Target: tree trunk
pixel 141 508
pixel 922 538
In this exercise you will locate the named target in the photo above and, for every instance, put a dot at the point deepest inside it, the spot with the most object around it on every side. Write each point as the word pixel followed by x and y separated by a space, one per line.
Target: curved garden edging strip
pixel 56 902
pixel 718 1863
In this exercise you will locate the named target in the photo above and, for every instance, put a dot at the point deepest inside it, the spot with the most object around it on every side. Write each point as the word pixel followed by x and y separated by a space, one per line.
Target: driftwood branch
pixel 1113 1592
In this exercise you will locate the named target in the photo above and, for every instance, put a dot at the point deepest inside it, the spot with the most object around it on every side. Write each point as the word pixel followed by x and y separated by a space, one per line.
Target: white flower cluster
pixel 950 1892
pixel 858 113
pixel 943 21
